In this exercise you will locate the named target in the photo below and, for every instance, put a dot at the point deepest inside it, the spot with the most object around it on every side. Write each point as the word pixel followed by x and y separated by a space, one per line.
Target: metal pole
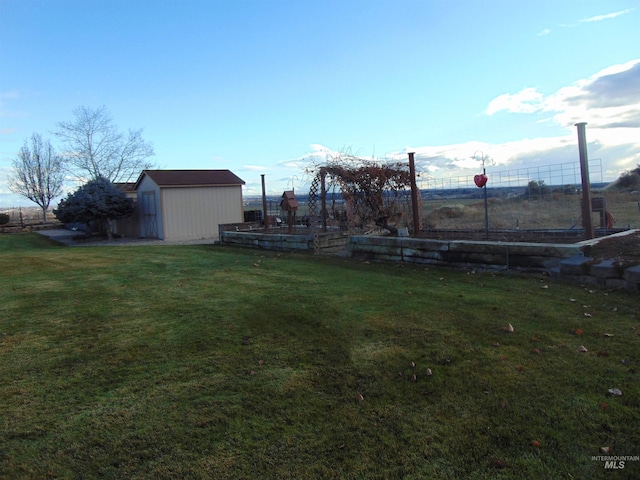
pixel 486 205
pixel 587 223
pixel 414 196
pixel 264 205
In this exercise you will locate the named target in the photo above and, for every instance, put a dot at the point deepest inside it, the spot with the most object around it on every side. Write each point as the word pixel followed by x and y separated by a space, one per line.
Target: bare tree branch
pixel 95 148
pixel 38 173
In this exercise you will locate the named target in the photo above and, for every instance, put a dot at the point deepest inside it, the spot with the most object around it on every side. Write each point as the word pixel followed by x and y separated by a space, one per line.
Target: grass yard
pixel 213 362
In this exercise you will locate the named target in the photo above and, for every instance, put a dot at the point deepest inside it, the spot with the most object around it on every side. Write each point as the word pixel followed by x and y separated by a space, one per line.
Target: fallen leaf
pixel 413 365
pixel 587 314
pixel 510 328
pixel 496 462
pixel 429 373
pixel 608 335
pixel 535 443
pixel 578 331
pixel 534 339
pixel 359 397
pixel 605 450
pixel 520 368
pixel 537 351
pixel 414 378
pixel 260 362
pixel 604 405
pixel 615 392
pixel 582 349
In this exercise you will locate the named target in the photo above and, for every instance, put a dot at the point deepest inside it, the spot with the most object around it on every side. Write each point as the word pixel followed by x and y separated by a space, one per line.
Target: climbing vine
pixel 373 192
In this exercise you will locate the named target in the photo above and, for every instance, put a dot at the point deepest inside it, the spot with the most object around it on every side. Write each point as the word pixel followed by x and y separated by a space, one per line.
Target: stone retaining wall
pixel 488 255
pixel 605 273
pixel 565 261
pixel 332 241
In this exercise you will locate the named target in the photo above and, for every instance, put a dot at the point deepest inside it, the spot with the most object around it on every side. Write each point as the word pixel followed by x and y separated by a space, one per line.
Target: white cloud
pixel 609 101
pixel 544 32
pixel 599 18
pixel 255 168
pixel 528 100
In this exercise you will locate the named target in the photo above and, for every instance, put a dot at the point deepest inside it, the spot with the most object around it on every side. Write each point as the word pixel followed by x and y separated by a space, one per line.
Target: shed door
pixel 149 216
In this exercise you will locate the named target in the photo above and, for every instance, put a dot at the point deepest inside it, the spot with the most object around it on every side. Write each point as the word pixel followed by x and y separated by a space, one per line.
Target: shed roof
pixel 191 178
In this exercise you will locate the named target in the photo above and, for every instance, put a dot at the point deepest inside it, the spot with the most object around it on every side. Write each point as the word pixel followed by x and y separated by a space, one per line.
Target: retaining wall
pixel 479 254
pixel 565 261
pixel 327 242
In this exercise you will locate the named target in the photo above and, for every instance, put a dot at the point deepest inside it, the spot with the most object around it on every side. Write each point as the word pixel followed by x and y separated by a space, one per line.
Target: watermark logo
pixel 615 462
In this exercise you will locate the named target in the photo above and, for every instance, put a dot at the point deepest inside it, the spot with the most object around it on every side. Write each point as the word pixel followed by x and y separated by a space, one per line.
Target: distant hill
pixel 627 181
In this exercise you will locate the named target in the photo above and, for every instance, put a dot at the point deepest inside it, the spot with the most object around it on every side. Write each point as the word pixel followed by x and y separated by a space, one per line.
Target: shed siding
pixel 194 213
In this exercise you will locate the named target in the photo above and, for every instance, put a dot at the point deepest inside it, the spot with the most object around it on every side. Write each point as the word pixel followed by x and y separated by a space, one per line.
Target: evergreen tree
pixel 99 201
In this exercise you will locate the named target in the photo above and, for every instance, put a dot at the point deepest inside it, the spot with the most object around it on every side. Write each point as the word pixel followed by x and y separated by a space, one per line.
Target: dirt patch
pixel 624 247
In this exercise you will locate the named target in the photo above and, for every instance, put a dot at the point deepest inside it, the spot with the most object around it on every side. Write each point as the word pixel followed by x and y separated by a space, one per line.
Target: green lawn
pixel 216 362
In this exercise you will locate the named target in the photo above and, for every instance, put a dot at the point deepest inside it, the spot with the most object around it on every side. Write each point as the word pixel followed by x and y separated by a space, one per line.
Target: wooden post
pixel 587 223
pixel 414 196
pixel 264 206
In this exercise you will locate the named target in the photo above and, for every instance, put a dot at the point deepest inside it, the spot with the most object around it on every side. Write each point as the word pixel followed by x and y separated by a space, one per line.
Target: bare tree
pixel 95 148
pixel 38 173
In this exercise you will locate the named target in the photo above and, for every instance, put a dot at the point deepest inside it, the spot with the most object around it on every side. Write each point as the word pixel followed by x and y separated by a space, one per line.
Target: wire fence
pixel 556 174
pixel 23 217
pixel 537 199
pixel 520 204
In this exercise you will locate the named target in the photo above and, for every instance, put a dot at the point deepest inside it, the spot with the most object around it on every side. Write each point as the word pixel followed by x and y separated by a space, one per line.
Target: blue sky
pixel 267 87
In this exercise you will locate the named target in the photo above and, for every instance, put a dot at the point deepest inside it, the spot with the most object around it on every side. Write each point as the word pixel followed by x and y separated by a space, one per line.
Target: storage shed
pixel 187 204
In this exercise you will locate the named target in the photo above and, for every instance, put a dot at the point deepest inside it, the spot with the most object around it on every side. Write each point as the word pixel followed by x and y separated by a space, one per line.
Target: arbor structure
pixel 38 173
pixel 372 191
pixel 96 201
pixel 96 148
